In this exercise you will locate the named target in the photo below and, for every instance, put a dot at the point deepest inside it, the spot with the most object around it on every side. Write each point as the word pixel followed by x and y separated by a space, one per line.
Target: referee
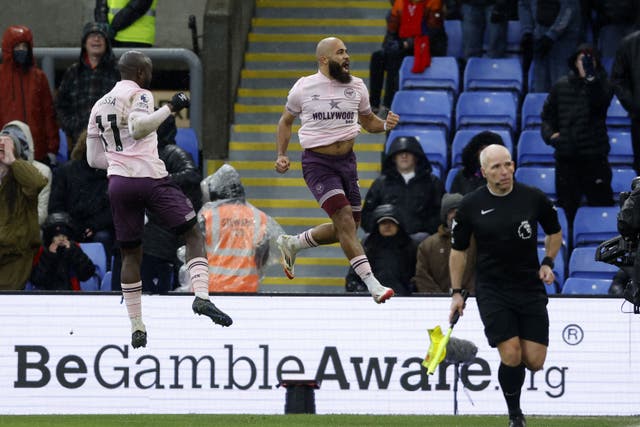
pixel 511 298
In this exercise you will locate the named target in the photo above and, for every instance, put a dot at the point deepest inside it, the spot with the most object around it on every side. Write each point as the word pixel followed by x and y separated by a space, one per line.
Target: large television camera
pixel 623 251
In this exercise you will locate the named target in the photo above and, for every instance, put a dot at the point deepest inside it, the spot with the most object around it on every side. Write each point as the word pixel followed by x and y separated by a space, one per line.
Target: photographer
pixel 573 122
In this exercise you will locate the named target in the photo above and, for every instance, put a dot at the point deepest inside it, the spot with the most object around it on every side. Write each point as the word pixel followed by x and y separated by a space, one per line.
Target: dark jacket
pixel 62 270
pixel 577 109
pixel 81 191
pixel 417 202
pixel 625 76
pixel 469 177
pixel 82 86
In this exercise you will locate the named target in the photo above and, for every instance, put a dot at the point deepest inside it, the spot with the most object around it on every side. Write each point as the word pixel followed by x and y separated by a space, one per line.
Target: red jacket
pixel 25 94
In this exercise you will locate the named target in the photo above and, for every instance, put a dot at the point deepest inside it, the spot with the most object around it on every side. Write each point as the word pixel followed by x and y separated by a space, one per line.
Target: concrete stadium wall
pixel 58 23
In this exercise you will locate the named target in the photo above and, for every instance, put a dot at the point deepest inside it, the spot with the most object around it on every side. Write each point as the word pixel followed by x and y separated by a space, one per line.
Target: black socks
pixel 511 380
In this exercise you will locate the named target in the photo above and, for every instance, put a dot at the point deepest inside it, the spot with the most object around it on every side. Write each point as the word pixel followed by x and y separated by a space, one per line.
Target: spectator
pixel 26 95
pixel 86 81
pixel 484 20
pixel 407 183
pixel 132 23
pixel 615 19
pixel 408 19
pixel 550 32
pixel 432 263
pixel 391 252
pixel 238 236
pixel 470 177
pixel 573 123
pixel 20 183
pixel 626 84
pixel 60 264
pixel 160 264
pixel 23 133
pixel 81 192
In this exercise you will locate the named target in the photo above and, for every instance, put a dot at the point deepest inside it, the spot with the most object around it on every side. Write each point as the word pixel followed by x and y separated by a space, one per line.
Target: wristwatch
pixel 454 291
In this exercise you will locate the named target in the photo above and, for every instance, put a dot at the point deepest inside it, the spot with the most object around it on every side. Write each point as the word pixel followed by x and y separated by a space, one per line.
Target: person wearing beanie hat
pixel 60 264
pixel 85 81
pixel 432 260
pixel 20 183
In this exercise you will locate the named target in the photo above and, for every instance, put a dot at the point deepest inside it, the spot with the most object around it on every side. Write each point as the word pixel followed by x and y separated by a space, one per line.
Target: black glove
pixel 544 45
pixel 178 102
pixel 589 69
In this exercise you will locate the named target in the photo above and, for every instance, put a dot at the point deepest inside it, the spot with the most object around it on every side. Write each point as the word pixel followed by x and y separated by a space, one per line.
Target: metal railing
pixel 48 56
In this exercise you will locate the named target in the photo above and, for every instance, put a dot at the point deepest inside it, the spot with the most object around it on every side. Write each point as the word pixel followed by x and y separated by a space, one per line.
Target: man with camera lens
pixel 573 122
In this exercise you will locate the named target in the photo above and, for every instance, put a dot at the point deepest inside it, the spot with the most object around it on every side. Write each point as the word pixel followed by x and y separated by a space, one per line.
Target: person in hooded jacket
pixel 432 260
pixel 60 264
pixel 81 191
pixel 22 132
pixel 406 182
pixel 573 123
pixel 160 264
pixel 85 81
pixel 470 177
pixel 25 93
pixel 391 252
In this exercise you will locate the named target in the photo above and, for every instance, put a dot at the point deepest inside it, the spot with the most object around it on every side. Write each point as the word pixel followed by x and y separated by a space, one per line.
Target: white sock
pixel 137 325
pixel 199 275
pixel 305 240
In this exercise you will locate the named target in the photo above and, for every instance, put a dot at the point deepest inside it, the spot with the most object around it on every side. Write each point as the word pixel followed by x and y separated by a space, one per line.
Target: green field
pixel 305 420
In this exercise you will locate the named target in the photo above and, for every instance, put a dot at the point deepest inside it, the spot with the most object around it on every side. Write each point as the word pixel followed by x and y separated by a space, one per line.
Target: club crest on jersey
pixel 524 230
pixel 144 98
pixel 319 188
pixel 349 93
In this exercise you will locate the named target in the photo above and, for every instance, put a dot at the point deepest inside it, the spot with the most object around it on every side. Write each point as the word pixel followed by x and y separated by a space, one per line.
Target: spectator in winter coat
pixel 470 177
pixel 25 93
pixel 407 183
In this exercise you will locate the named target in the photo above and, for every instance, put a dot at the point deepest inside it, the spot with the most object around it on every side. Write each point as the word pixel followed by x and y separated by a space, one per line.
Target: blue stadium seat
pixel 95 251
pixel 607 63
pixel 582 263
pixel 621 153
pixel 433 143
pixel 105 286
pixel 621 180
pixel 443 74
pixel 187 140
pixel 63 150
pixel 463 136
pixel 593 225
pixel 617 116
pixel 586 286
pixel 486 110
pixel 493 74
pixel 532 110
pixel 92 284
pixel 513 36
pixel 558 270
pixel 564 225
pixel 542 177
pixel 532 151
pixel 453 28
pixel 426 108
pixel 450 176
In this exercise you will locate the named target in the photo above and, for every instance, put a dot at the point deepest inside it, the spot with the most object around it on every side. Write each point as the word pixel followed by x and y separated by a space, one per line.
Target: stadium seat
pixel 586 286
pixel 427 108
pixel 95 251
pixel 558 270
pixel 442 74
pixel 564 225
pixel 187 140
pixel 582 263
pixel 450 176
pixel 513 36
pixel 105 285
pixel 621 181
pixel 532 150
pixel 433 143
pixel 92 284
pixel 63 150
pixel 593 225
pixel 453 28
pixel 486 110
pixel 621 153
pixel 617 116
pixel 493 74
pixel 542 177
pixel 532 110
pixel 607 63
pixel 462 138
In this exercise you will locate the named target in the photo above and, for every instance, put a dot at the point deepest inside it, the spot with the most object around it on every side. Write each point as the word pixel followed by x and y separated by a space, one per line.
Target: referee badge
pixel 524 230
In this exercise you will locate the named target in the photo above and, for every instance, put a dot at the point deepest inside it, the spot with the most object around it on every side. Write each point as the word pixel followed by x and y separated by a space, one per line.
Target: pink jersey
pixel 328 109
pixel 109 125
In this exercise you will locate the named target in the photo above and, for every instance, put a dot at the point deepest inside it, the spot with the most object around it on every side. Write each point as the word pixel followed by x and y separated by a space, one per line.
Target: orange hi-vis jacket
pixel 233 232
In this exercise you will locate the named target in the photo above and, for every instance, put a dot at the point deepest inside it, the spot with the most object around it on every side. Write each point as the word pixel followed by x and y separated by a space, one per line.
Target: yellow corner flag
pixel 437 349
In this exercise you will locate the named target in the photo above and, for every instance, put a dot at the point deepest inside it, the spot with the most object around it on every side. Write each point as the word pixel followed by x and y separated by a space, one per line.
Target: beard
pixel 337 72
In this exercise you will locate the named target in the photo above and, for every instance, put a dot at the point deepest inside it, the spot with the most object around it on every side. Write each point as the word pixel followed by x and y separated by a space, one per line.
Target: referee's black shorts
pixel 513 313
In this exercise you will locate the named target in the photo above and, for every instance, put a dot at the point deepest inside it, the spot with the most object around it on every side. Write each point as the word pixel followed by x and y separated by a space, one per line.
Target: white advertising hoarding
pixel 71 354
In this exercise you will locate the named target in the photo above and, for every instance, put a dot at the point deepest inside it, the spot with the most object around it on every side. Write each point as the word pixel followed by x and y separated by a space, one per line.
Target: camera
pixel 623 251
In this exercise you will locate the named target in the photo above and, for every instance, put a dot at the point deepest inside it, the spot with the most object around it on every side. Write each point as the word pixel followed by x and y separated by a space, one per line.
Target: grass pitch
pixel 305 420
